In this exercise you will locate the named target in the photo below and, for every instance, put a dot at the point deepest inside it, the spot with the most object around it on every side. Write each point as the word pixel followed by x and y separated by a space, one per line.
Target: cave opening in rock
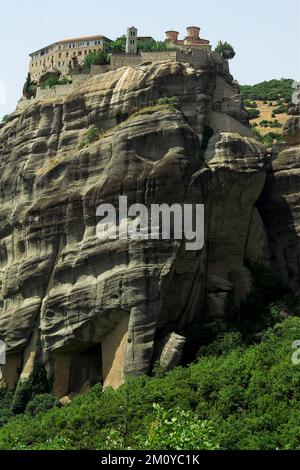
pixel 86 369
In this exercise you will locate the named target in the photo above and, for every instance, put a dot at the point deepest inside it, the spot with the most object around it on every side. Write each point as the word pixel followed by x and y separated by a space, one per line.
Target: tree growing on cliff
pixel 226 50
pixel 29 88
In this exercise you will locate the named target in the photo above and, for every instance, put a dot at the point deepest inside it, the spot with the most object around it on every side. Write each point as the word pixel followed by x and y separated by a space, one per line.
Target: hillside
pixel 271 90
pixel 267 105
pixel 234 397
pixel 266 110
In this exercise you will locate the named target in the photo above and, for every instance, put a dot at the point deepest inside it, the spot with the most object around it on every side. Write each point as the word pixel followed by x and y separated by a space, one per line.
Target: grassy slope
pixel 266 113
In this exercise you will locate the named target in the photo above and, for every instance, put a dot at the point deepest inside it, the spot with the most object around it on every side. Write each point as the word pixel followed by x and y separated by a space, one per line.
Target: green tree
pixel 40 403
pixel 226 50
pixel 29 88
pixel 177 429
pixel 99 57
pixel 118 45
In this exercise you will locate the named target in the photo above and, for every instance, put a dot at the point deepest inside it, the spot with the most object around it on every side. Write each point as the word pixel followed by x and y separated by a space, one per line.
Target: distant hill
pixel 269 90
pixel 267 106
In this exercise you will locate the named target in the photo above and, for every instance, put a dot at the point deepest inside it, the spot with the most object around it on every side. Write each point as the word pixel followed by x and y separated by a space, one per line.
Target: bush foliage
pixel 235 396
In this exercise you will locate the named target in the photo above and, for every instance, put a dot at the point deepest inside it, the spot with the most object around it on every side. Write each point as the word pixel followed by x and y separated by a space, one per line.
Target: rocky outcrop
pixel 93 309
pixel 280 202
pixel 291 130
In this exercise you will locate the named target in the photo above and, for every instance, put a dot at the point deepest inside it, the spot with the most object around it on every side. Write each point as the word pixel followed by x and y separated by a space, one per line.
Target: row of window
pixel 78 54
pixel 68 46
pixel 79 44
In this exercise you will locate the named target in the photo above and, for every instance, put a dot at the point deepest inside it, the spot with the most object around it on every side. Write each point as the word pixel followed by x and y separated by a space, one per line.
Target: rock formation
pixel 280 202
pixel 94 310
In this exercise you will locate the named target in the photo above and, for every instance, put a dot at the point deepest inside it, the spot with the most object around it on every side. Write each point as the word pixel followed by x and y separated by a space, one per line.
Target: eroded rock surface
pixel 280 205
pixel 95 310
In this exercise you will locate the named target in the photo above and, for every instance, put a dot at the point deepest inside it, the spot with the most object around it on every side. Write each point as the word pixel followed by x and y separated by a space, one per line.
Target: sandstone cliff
pixel 93 310
pixel 280 203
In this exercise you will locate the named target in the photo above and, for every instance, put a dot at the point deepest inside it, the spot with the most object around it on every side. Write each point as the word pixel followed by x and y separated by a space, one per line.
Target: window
pixel 79 52
pixel 85 52
pixel 87 43
pixel 59 55
pixel 67 54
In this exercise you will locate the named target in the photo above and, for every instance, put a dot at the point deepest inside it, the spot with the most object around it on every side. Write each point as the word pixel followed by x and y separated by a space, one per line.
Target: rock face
pixel 95 310
pixel 279 205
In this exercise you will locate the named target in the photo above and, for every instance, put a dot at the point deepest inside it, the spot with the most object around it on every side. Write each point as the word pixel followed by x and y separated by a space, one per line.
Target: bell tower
pixel 131 40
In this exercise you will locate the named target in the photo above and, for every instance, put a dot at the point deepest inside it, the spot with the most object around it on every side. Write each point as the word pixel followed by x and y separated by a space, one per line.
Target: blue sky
pixel 264 33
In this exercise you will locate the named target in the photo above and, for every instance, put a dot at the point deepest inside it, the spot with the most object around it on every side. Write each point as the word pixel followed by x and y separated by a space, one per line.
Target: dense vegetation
pixel 55 80
pixel 118 46
pixel 99 57
pixel 233 397
pixel 242 392
pixel 269 90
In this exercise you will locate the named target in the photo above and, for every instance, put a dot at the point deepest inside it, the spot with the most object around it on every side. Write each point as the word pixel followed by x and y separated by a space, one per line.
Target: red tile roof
pixel 65 41
pixel 84 38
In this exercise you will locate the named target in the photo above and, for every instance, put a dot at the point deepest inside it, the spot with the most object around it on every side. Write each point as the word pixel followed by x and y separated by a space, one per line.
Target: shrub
pixel 5 406
pixel 41 403
pixel 271 138
pixel 253 113
pixel 55 80
pixel 36 384
pixel 177 429
pixel 273 124
pixel 22 396
pixel 172 102
pixel 250 104
pixel 280 109
pixel 92 135
pixel 5 118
